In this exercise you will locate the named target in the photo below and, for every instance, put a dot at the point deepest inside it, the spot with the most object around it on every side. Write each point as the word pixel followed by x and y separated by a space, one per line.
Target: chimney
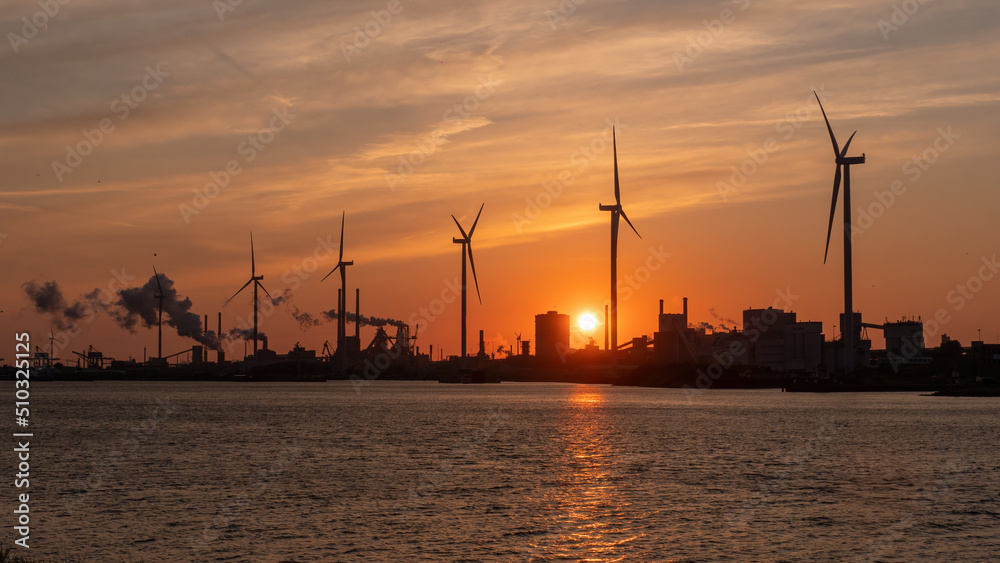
pixel 431 354
pixel 661 306
pixel 482 344
pixel 685 313
pixel 222 355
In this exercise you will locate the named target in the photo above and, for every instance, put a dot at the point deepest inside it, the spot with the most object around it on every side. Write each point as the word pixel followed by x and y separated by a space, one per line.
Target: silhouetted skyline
pixel 168 145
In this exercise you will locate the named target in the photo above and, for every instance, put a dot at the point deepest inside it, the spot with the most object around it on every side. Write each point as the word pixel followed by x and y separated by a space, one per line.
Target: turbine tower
pixel 342 296
pixel 843 162
pixel 466 242
pixel 255 280
pixel 159 319
pixel 616 212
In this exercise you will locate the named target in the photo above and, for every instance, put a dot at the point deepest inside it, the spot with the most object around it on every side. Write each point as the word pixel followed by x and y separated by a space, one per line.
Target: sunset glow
pixel 500 280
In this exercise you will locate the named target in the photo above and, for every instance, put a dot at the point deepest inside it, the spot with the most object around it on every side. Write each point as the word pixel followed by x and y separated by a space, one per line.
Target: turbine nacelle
pixel 466 243
pixel 616 209
pixel 254 278
pixel 842 162
pixel 340 260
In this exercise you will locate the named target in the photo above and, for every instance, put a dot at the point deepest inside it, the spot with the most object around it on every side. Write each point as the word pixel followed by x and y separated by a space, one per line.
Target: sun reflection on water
pixel 588 516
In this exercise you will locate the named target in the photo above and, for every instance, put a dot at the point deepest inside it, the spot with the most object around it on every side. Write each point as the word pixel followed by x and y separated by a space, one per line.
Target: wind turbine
pixel 616 212
pixel 342 299
pixel 466 242
pixel 843 162
pixel 159 320
pixel 255 280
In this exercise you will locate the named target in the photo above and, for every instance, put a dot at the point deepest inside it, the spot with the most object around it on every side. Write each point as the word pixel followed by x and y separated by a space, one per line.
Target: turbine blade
pixel 465 236
pixel 472 263
pixel 843 152
pixel 473 229
pixel 614 145
pixel 331 272
pixel 241 289
pixel 624 216
pixel 158 286
pixel 253 264
pixel 343 218
pixel 836 150
pixel 261 286
pixel 833 209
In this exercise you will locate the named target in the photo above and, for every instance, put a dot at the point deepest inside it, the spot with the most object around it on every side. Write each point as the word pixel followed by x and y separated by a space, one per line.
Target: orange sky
pixel 493 103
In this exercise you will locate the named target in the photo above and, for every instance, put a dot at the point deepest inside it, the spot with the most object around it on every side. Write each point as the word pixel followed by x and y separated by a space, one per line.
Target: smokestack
pixel 222 355
pixel 482 344
pixel 431 354
pixel 661 306
pixel 685 313
pixel 206 323
pixel 357 313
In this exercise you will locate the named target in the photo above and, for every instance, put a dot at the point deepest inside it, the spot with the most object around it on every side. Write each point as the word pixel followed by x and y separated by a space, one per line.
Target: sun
pixel 587 322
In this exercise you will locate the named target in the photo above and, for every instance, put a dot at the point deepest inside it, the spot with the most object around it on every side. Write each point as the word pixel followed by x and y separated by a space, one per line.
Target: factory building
pixel 776 340
pixel 803 346
pixel 731 347
pixel 984 359
pixel 771 338
pixel 765 331
pixel 904 337
pixel 904 344
pixel 551 337
pixel 674 342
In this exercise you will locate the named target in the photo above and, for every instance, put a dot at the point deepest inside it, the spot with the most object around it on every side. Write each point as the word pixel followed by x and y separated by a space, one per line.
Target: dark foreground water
pixel 130 471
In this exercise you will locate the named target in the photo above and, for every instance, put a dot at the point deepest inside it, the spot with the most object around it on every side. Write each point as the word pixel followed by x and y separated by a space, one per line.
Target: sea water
pixel 408 471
